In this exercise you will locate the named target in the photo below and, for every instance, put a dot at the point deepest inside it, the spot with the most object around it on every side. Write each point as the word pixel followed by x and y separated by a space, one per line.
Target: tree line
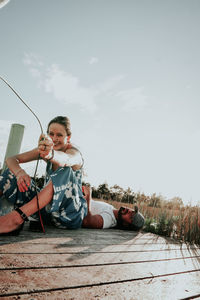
pixel 117 193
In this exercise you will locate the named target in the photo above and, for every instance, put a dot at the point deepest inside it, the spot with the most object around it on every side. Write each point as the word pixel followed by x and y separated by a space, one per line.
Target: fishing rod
pixel 14 91
pixel 20 98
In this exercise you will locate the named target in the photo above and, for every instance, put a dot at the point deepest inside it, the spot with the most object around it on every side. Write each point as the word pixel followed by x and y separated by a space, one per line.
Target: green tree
pixel 103 191
pixel 116 192
pixel 128 196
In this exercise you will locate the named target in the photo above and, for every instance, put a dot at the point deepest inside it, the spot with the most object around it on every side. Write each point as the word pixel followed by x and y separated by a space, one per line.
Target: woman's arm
pixel 13 163
pixel 87 192
pixel 71 158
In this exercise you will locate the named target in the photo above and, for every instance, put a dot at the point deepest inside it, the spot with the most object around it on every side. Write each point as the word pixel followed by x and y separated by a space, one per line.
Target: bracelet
pixel 52 156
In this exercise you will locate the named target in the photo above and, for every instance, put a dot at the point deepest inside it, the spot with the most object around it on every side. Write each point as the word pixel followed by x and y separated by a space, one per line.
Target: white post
pixel 14 141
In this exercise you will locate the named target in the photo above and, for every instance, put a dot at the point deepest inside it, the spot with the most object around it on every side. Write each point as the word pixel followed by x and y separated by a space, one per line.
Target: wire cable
pixel 14 91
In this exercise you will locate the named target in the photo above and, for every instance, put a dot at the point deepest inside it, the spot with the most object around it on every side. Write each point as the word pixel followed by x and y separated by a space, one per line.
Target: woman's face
pixel 58 135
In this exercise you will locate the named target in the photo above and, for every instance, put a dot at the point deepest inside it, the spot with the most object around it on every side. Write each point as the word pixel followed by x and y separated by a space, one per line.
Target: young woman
pixel 61 198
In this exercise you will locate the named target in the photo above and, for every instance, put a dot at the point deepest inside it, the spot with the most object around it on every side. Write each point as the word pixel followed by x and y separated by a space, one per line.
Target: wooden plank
pixel 66 247
pixel 54 260
pixel 85 236
pixel 14 281
pixel 89 239
pixel 161 288
pixel 84 240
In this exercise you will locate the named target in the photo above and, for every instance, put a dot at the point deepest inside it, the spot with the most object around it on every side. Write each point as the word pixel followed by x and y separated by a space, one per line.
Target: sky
pixel 125 72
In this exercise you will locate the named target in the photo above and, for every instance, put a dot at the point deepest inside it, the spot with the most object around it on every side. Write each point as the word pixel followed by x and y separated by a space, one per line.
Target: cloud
pixel 4 126
pixel 68 89
pixel 63 85
pixel 132 99
pixel 3 3
pixel 4 134
pixel 109 85
pixel 34 64
pixel 93 60
pixel 32 59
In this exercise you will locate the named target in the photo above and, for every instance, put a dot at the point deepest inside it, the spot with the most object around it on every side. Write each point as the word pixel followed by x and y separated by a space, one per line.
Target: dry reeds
pixel 182 224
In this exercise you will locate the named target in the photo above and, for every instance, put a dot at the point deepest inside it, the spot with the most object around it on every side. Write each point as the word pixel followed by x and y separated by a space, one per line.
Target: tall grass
pixel 182 224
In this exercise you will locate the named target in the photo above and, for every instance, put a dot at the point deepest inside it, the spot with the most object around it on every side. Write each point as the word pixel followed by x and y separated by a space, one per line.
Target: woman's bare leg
pixel 12 220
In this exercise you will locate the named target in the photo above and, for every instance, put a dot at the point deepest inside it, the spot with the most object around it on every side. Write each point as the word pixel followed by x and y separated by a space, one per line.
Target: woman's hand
pixel 45 146
pixel 23 180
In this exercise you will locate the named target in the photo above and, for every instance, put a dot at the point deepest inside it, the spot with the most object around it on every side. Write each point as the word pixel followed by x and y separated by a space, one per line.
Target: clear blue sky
pixel 125 72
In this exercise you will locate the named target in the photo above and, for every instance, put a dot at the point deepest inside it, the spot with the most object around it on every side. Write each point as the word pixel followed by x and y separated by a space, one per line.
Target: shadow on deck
pixel 97 264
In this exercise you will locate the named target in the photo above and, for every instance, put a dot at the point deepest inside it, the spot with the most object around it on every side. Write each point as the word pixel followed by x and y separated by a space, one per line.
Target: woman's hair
pixel 62 121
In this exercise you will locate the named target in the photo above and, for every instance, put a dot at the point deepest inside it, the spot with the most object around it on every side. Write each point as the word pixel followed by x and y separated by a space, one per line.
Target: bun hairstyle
pixel 62 121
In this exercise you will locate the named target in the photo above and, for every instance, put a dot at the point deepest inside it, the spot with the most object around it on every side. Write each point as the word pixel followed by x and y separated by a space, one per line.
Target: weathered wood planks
pixel 97 264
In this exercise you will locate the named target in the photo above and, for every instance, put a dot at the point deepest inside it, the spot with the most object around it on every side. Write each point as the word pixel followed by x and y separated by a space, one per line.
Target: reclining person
pixel 103 215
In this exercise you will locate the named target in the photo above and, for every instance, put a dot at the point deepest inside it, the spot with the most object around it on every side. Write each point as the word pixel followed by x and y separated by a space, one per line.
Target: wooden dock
pixel 97 264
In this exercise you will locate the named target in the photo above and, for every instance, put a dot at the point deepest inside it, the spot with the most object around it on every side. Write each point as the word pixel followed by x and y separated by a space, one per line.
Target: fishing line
pixel 14 91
